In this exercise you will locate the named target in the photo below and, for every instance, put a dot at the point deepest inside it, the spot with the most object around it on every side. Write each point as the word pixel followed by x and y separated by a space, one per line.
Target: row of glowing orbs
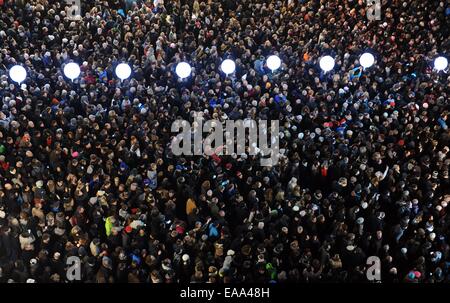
pixel 367 60
pixel 273 62
pixel 326 63
pixel 183 69
pixel 71 70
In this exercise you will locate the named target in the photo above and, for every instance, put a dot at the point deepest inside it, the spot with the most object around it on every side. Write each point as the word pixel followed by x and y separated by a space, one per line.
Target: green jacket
pixel 108 226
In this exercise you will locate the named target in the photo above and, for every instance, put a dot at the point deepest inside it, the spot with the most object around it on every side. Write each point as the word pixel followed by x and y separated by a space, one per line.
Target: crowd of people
pixel 86 167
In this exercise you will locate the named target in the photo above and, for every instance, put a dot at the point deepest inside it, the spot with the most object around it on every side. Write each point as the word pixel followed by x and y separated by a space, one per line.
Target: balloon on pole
pixel 18 73
pixel 440 63
pixel 72 70
pixel 123 71
pixel 273 63
pixel 366 60
pixel 228 66
pixel 183 70
pixel 326 63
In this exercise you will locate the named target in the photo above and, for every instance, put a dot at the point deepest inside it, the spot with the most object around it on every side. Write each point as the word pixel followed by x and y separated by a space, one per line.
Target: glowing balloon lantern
pixel 123 71
pixel 440 63
pixel 183 70
pixel 366 60
pixel 273 62
pixel 18 73
pixel 228 66
pixel 326 63
pixel 72 70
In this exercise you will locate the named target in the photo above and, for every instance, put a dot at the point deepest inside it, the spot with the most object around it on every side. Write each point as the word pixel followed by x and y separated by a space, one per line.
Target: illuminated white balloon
pixel 123 71
pixel 366 60
pixel 273 62
pixel 72 70
pixel 228 66
pixel 440 63
pixel 183 70
pixel 18 73
pixel 326 63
